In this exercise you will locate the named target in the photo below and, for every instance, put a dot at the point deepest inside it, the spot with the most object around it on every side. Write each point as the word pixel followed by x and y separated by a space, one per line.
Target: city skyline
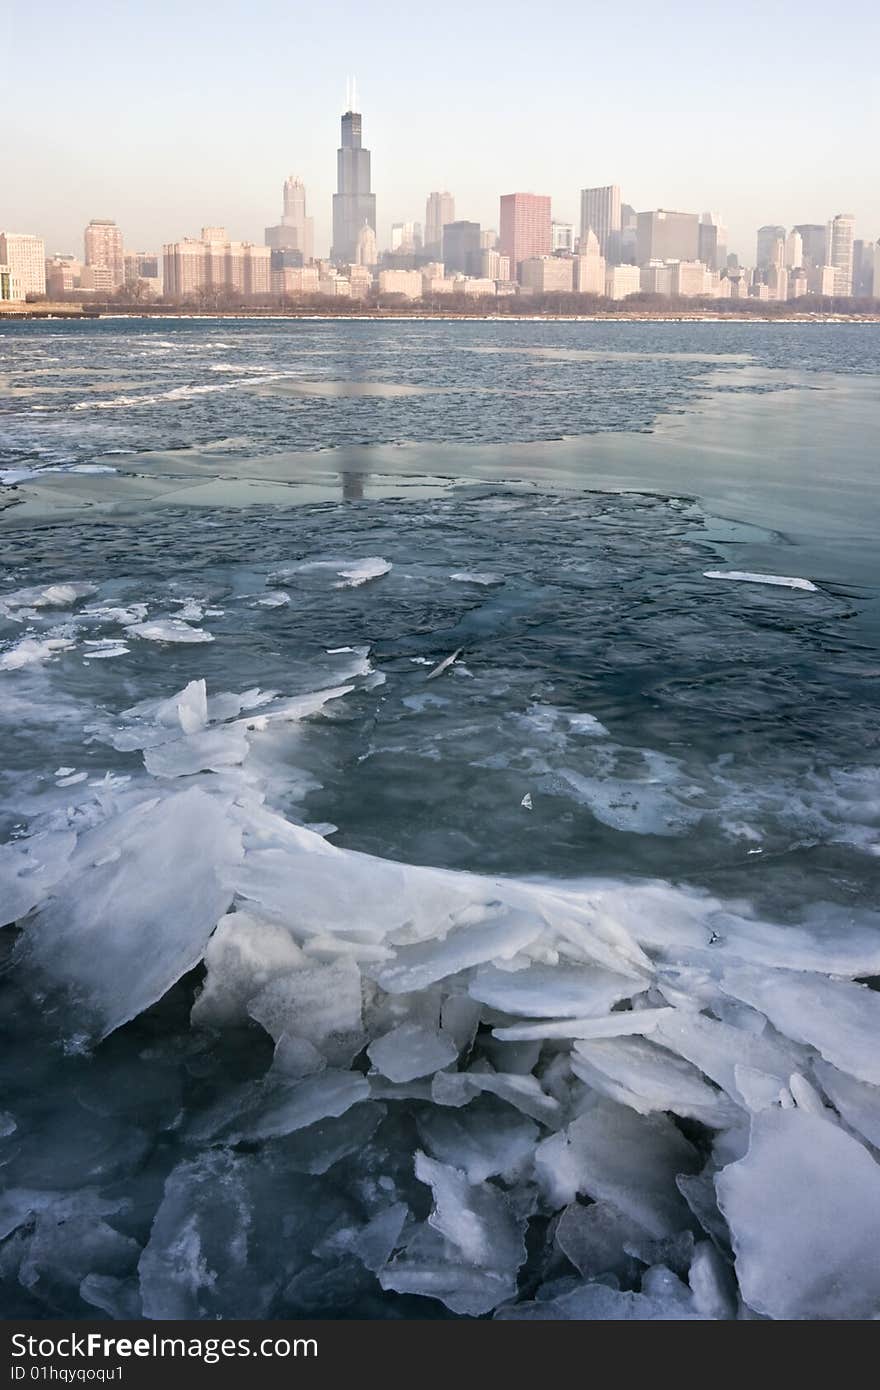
pixel 718 135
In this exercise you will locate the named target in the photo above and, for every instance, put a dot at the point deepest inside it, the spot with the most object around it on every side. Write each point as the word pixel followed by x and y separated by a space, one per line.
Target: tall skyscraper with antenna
pixel 353 202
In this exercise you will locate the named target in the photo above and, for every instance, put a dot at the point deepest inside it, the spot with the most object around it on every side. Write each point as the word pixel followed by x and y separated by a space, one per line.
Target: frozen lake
pixel 439 819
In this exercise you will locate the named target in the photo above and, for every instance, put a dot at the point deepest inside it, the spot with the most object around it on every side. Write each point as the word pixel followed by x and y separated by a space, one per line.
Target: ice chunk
pixel 484 1141
pixel 123 927
pixel 286 1107
pixel 630 1160
pixel 476 1219
pixel 719 1049
pixel 416 967
pixel 50 596
pixel 411 1050
pixel 31 651
pixel 610 1026
pixel 375 1243
pixel 444 665
pixel 168 630
pixel 856 1101
pixel 206 1254
pixel 553 991
pixel 593 1238
pixel 527 802
pixel 598 1303
pixel 29 868
pixel 362 571
pixel 804 1212
pixel 523 1092
pixel 747 578
pixel 648 1078
pixel 243 955
pixel 476 577
pixel 478 1233
pixel 321 1003
pixel 208 750
pixel 839 1018
pixel 712 1284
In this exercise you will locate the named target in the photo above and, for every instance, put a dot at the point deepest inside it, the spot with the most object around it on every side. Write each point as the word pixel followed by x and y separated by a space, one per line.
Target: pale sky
pixel 169 116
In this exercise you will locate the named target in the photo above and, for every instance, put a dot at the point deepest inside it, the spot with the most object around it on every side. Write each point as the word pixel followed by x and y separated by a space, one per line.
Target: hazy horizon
pixel 196 117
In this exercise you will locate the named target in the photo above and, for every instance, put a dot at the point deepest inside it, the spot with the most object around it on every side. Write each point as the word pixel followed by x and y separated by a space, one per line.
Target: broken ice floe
pixel 587 1099
pixel 744 577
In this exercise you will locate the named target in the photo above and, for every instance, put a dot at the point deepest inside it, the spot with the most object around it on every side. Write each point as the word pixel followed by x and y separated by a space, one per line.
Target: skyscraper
pixel 461 247
pixel 812 237
pixel 667 236
pixel 563 236
pixel 525 227
pixel 712 241
pixel 600 209
pixel 794 250
pixel 353 203
pixel 439 210
pixel 839 249
pixel 766 244
pixel 863 269
pixel 103 246
pixel 295 231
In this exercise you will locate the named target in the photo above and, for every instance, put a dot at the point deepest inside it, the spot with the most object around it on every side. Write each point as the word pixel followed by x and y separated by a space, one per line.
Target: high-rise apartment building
pixel 601 210
pixel 439 210
pixel 353 202
pixel 525 227
pixel 215 264
pixel 103 248
pixel 667 236
pixel 765 245
pixel 25 256
pixel 296 230
pixel 461 247
pixel 813 243
pixel 839 244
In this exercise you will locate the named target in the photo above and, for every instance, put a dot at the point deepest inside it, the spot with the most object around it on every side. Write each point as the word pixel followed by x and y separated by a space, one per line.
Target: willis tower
pixel 353 203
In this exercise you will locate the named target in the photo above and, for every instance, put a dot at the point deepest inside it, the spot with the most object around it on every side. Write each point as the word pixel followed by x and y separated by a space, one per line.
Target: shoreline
pixel 63 313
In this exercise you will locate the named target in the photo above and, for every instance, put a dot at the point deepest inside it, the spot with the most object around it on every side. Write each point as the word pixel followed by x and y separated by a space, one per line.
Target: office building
pixel 864 263
pixel 667 236
pixel 405 282
pixel 601 211
pixel 794 250
pixel 766 243
pixel 712 241
pixel 461 247
pixel 353 202
pixel 547 274
pixel 589 266
pixel 439 210
pixel 839 244
pixel 25 257
pixel 561 236
pixel 296 230
pixel 622 280
pixel 813 243
pixel 366 251
pixel 525 229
